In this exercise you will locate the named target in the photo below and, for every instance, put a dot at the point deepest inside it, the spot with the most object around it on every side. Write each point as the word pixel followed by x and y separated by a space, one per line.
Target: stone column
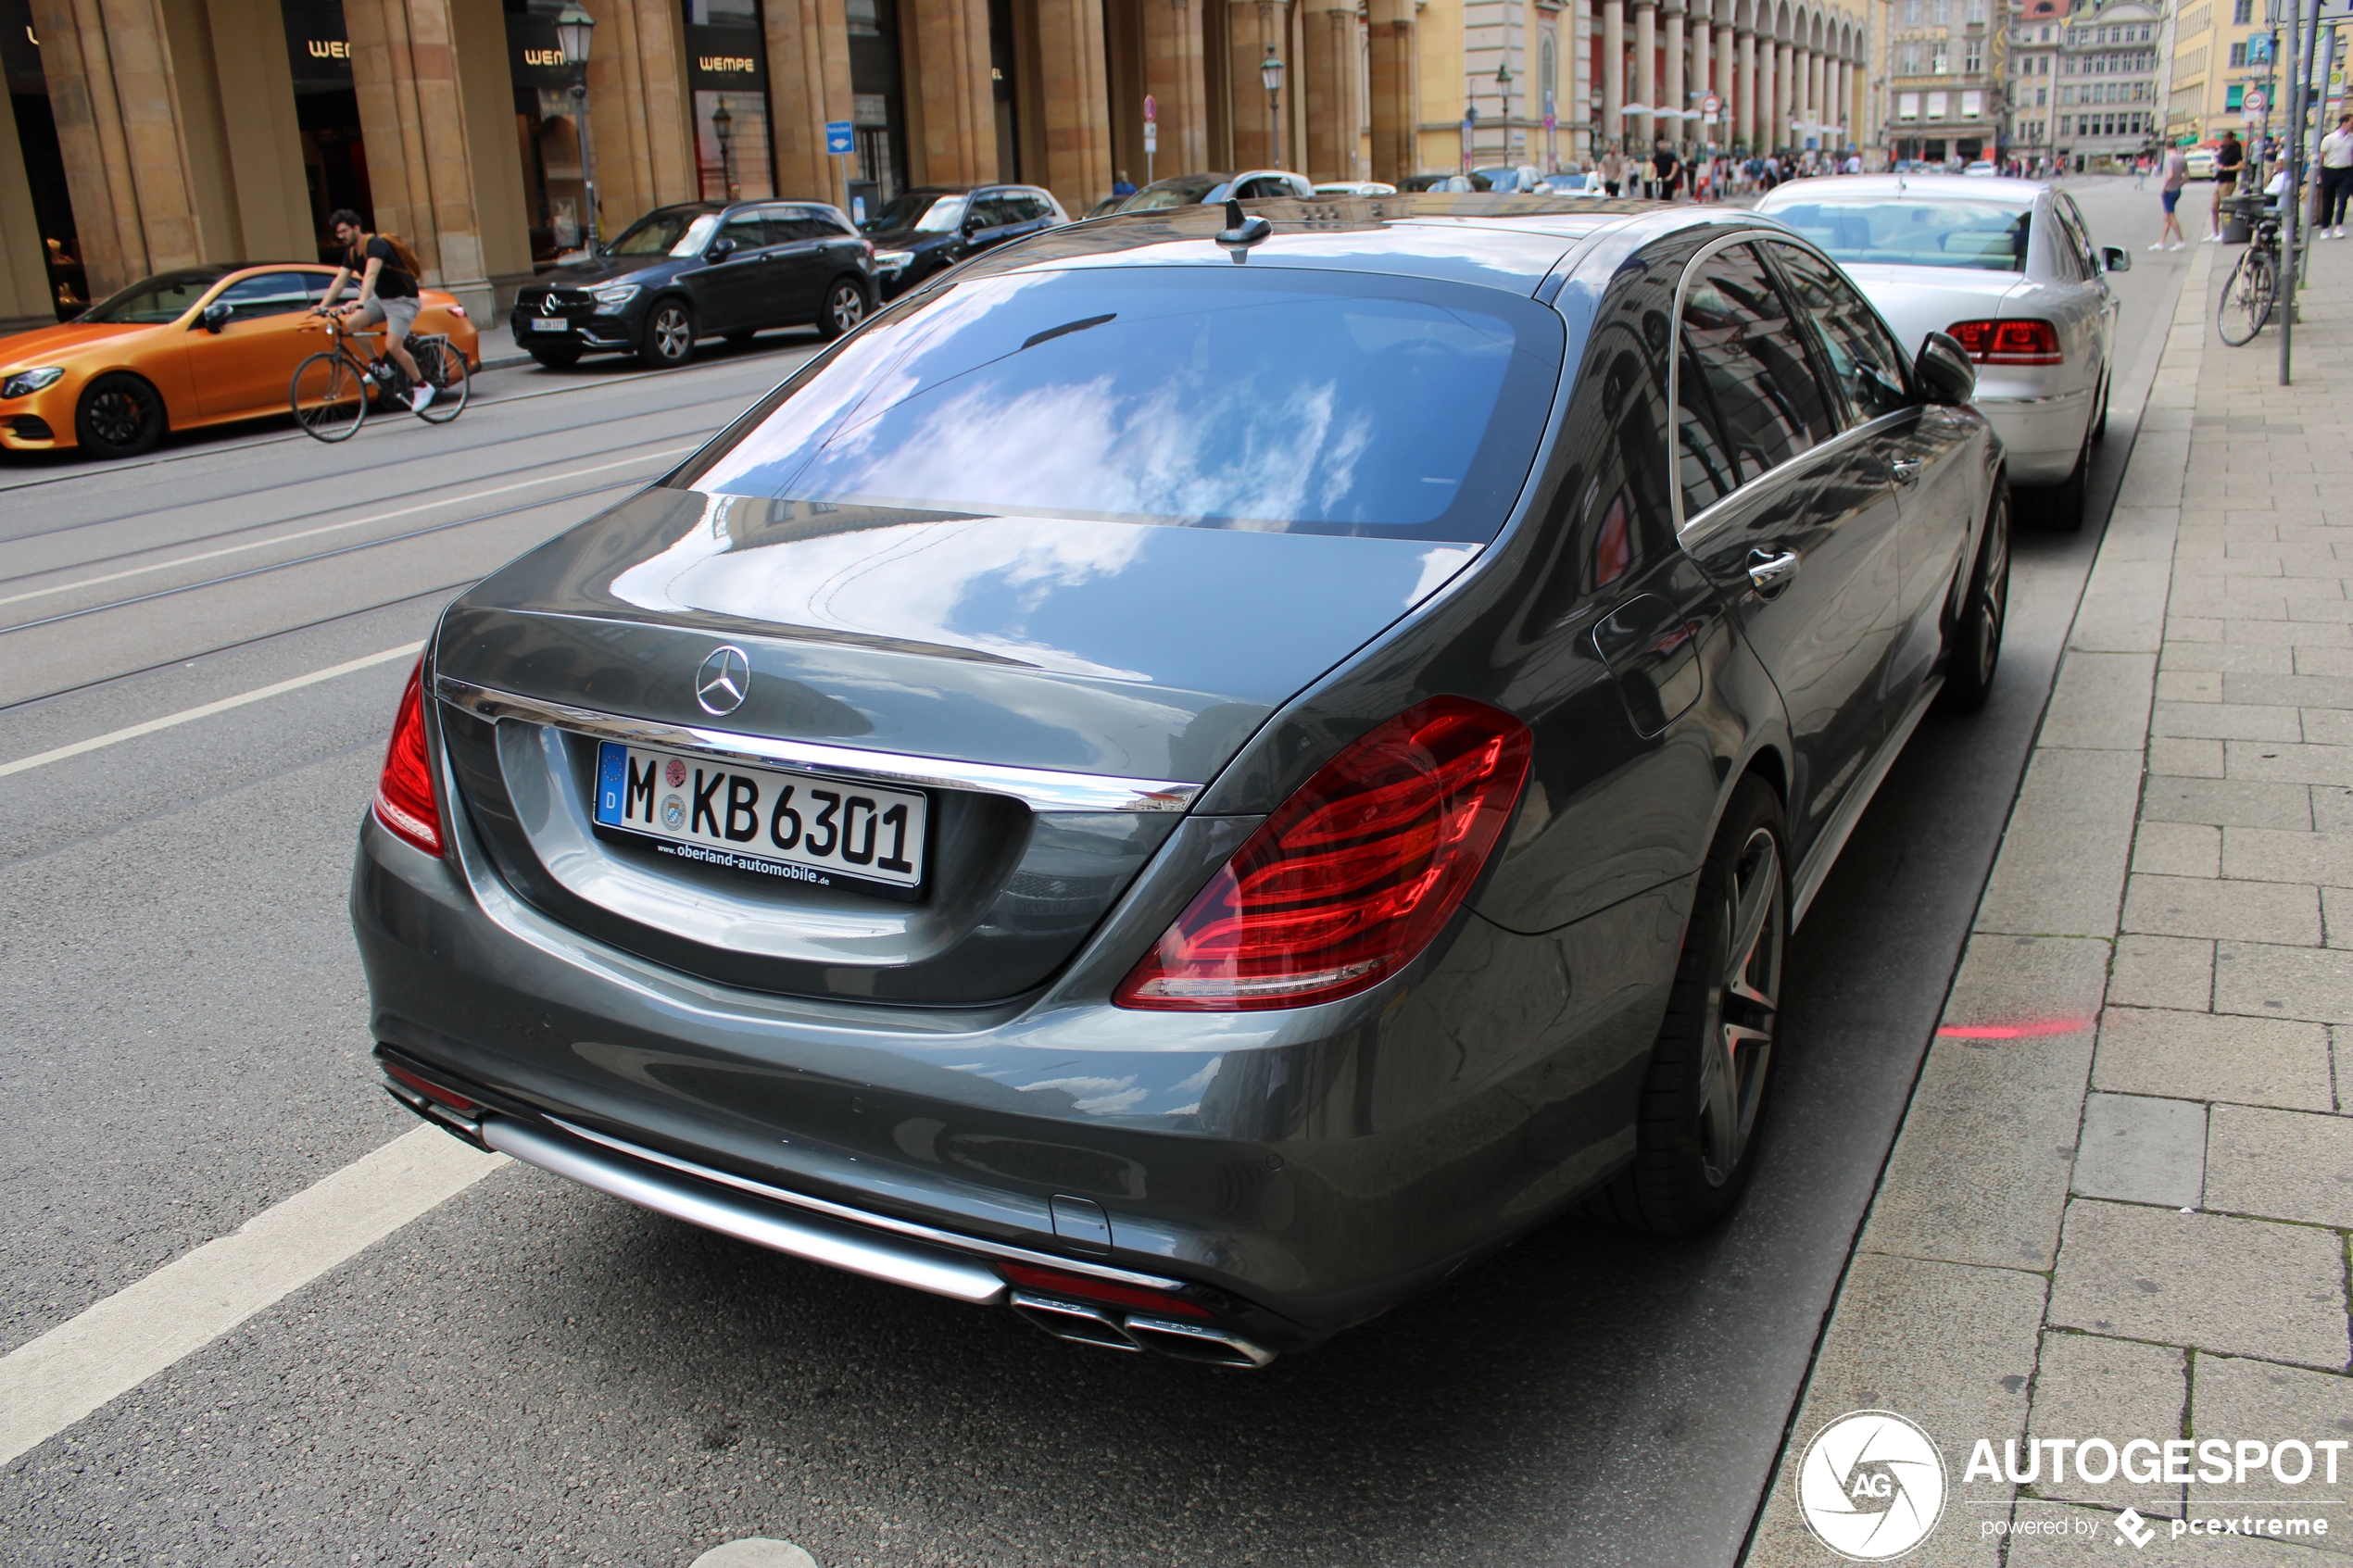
pixel 1801 68
pixel 1174 76
pixel 1672 92
pixel 1641 130
pixel 949 75
pixel 1330 83
pixel 1252 25
pixel 1744 87
pixel 1613 74
pixel 1076 100
pixel 25 300
pixel 1702 71
pixel 1767 51
pixel 809 84
pixel 1813 95
pixel 1784 91
pixel 1726 83
pixel 1395 106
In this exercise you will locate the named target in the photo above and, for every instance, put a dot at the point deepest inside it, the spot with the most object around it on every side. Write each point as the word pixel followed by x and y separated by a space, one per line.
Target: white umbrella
pixel 1636 109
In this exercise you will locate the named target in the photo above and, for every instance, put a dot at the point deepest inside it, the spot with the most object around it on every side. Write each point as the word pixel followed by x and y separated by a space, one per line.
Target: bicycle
pixel 2253 288
pixel 333 389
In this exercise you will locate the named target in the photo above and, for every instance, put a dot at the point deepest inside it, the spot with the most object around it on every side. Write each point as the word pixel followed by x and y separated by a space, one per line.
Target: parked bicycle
pixel 333 389
pixel 2253 286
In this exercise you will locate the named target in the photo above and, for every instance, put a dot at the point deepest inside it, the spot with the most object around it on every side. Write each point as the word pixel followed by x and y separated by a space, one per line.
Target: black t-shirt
pixel 2230 155
pixel 392 283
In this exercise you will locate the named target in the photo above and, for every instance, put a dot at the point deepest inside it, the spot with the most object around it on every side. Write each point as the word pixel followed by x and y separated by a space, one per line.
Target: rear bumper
pixel 2041 433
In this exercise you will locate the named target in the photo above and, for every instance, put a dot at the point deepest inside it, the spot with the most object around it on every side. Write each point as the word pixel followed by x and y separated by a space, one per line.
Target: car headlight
pixel 24 384
pixel 893 261
pixel 619 294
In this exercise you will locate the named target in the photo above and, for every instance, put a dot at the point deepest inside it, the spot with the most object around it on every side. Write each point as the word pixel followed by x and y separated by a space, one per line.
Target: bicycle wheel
pixel 445 369
pixel 329 397
pixel 2247 297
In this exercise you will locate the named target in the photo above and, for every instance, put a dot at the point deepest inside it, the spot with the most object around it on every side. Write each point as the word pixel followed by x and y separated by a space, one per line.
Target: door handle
pixel 1906 470
pixel 1770 572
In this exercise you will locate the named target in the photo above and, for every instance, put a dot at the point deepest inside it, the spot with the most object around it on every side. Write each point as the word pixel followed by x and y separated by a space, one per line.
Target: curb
pixel 1940 1314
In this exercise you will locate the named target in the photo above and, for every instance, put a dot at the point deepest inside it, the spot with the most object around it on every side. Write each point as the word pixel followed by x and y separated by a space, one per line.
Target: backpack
pixel 406 254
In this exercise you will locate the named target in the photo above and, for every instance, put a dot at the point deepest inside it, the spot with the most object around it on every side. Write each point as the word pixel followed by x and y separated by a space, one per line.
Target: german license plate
pixel 550 324
pixel 798 827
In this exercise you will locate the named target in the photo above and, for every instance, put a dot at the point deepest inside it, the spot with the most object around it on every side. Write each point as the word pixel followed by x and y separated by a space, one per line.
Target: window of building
pixel 727 68
pixel 2233 96
pixel 2041 98
pixel 2238 56
pixel 1936 106
pixel 1908 105
pixel 1973 57
pixel 1941 63
pixel 1911 13
pixel 1973 105
pixel 1940 12
pixel 2241 10
pixel 2065 120
pixel 1909 62
pixel 327 113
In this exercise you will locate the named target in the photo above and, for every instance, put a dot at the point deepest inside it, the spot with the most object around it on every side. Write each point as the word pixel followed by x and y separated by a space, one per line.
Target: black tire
pixel 1695 1136
pixel 2247 295
pixel 845 304
pixel 2099 420
pixel 329 397
pixel 668 339
pixel 445 369
pixel 2063 504
pixel 1973 644
pixel 556 359
pixel 119 416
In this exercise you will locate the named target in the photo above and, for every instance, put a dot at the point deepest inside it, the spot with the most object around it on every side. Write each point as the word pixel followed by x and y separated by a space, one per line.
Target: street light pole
pixel 1270 72
pixel 1504 97
pixel 723 127
pixel 572 29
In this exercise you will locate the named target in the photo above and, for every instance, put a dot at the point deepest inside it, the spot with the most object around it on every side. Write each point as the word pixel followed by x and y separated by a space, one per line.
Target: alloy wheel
pixel 673 334
pixel 1997 592
pixel 845 307
pixel 1738 1042
pixel 117 416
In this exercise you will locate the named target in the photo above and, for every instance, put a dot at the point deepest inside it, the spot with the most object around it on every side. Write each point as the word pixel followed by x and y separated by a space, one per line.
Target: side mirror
pixel 721 249
pixel 1944 372
pixel 215 317
pixel 2116 258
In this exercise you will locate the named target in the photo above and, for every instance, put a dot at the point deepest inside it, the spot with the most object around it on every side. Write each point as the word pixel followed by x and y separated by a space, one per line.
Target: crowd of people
pixel 1669 174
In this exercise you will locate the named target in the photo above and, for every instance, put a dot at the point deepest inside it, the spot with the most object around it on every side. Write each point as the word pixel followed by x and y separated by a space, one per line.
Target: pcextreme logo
pixel 1871 1485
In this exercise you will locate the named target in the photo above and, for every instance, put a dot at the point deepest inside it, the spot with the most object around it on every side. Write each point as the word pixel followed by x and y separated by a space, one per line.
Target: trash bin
pixel 2239 218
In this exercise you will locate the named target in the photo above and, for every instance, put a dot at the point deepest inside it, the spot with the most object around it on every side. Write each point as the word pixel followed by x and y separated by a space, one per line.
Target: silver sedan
pixel 2008 268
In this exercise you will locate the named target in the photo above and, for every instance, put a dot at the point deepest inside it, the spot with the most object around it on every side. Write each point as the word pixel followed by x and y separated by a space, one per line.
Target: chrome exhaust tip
pixel 1191 1342
pixel 1070 1319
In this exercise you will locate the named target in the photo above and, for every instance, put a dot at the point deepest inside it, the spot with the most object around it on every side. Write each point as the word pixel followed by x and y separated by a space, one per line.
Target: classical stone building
pixel 2086 87
pixel 1943 62
pixel 149 135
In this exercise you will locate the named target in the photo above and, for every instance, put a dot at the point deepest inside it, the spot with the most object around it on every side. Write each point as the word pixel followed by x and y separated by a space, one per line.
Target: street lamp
pixel 722 126
pixel 573 28
pixel 1270 72
pixel 1504 93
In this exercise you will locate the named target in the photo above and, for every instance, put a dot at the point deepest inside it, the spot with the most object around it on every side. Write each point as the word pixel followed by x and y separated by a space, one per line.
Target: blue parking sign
pixel 837 137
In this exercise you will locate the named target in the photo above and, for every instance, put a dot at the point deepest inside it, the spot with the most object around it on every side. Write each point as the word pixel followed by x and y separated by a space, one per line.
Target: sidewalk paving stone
pixel 2274 854
pixel 2228 803
pixel 2177 849
pixel 2090 1386
pixel 2263 912
pixel 2280 1165
pixel 2270 982
pixel 2140 1149
pixel 2235 1399
pixel 2199 1056
pixel 2162 971
pixel 2206 1281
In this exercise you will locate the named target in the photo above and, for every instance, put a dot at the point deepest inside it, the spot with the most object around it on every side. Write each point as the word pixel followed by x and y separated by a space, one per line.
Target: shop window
pixel 727 68
pixel 334 155
pixel 44 167
pixel 547 135
pixel 878 105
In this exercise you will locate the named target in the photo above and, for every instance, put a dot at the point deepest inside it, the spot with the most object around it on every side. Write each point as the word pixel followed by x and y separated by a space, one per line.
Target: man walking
pixel 1668 169
pixel 2336 177
pixel 2177 174
pixel 2229 158
pixel 387 293
pixel 1612 168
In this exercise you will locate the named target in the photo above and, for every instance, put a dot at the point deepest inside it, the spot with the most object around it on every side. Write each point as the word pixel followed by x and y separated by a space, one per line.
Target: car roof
pixel 1507 242
pixel 1906 187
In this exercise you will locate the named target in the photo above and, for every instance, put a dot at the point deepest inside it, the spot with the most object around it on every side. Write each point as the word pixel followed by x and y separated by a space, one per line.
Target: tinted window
pixel 664 233
pixel 993 210
pixel 1268 399
pixel 1986 236
pixel 748 229
pixel 1185 190
pixel 1864 355
pixel 273 294
pixel 1746 396
pixel 924 212
pixel 165 297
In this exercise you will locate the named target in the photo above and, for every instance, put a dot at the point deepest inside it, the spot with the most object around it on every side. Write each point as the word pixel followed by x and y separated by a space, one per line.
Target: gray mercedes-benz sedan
pixel 1203 770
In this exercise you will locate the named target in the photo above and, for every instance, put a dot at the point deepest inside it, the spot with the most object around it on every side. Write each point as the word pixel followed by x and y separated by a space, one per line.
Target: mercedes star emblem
pixel 723 679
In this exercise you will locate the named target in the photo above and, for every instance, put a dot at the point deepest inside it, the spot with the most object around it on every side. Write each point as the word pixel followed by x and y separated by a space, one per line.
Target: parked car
pixel 1356 188
pixel 2200 160
pixel 696 270
pixel 1224 792
pixel 1509 179
pixel 198 346
pixel 2008 268
pixel 1196 190
pixel 920 231
pixel 1982 169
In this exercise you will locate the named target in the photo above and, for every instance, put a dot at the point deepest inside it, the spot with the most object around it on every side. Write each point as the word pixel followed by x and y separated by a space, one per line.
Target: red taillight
pixel 1352 876
pixel 405 803
pixel 431 1090
pixel 1103 1292
pixel 2009 343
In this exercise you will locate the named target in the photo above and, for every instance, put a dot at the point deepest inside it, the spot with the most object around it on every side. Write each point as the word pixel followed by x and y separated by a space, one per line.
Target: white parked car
pixel 2007 267
pixel 1356 188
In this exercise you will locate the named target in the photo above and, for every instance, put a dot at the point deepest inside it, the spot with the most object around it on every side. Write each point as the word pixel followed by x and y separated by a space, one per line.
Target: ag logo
pixel 1871 1485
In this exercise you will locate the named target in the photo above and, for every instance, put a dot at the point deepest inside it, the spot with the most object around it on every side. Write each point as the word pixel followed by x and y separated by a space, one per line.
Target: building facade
pixel 1945 63
pixel 2222 51
pixel 151 135
pixel 2087 85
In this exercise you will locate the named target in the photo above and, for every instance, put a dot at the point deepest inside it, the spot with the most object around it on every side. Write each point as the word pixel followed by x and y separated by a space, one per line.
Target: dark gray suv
pixel 1203 770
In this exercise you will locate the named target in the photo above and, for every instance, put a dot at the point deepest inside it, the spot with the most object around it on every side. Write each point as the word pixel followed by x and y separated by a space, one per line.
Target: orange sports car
pixel 178 350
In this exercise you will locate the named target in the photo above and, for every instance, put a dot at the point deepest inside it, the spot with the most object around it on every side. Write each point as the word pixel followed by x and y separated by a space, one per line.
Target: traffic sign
pixel 1151 135
pixel 1711 104
pixel 1152 109
pixel 2256 103
pixel 838 137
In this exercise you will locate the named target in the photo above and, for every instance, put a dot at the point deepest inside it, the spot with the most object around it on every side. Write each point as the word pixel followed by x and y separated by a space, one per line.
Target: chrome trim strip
pixel 2052 400
pixel 836 1247
pixel 1040 789
pixel 872 1221
pixel 1818 859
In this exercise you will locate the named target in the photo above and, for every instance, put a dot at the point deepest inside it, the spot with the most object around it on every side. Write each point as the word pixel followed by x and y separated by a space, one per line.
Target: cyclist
pixel 387 293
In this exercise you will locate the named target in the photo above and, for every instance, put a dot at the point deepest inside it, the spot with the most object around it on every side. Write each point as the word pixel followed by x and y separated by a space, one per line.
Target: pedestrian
pixel 1122 186
pixel 2336 177
pixel 1612 168
pixel 2141 174
pixel 388 293
pixel 2229 160
pixel 1667 170
pixel 2177 174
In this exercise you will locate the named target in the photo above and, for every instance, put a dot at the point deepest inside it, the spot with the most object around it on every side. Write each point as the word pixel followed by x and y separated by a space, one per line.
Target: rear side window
pixel 1746 396
pixel 1282 400
pixel 1864 356
pixel 273 294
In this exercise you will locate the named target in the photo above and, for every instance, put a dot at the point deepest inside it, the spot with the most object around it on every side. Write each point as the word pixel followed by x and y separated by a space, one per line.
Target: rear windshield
pixel 1184 191
pixel 1283 401
pixel 1983 236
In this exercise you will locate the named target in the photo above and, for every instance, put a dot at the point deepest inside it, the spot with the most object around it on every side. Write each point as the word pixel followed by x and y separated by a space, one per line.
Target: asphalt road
pixel 534 1374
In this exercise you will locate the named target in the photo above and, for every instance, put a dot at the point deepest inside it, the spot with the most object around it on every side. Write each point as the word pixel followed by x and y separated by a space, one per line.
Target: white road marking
pixel 206 710
pixel 336 527
pixel 121 1342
